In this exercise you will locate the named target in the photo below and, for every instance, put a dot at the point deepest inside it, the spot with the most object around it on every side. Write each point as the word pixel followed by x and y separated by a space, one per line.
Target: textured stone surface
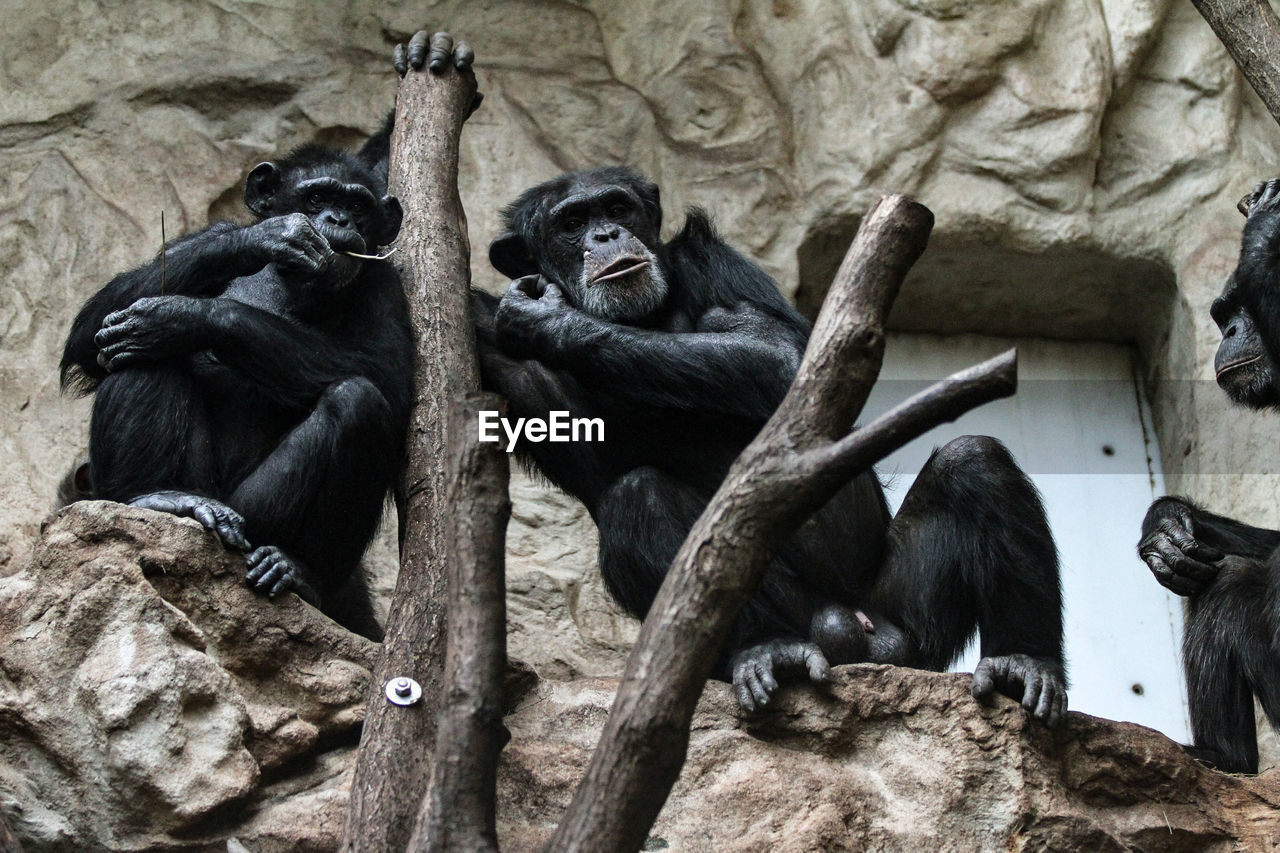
pixel 150 701
pixel 1095 144
pixel 141 679
pixel 1083 158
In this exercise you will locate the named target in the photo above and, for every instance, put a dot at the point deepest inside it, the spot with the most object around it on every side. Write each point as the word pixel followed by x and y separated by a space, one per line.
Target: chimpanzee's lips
pixel 1236 365
pixel 621 268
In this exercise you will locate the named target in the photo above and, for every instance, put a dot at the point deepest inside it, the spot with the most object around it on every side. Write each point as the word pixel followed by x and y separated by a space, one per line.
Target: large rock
pixel 149 701
pixel 145 689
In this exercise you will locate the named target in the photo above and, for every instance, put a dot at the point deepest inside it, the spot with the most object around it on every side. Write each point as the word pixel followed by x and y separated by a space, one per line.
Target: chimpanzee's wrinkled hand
pixel 1265 197
pixel 1037 683
pixel 272 572
pixel 292 243
pixel 152 329
pixel 756 669
pixel 214 515
pixel 530 317
pixel 438 53
pixel 1181 563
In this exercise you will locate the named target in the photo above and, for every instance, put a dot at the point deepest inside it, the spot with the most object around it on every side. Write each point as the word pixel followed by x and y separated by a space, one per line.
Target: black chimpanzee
pixel 258 378
pixel 685 349
pixel 1228 571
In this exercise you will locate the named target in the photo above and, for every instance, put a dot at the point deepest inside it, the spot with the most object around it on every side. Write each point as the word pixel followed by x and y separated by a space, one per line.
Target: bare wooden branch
pixel 1251 33
pixel 458 813
pixel 392 769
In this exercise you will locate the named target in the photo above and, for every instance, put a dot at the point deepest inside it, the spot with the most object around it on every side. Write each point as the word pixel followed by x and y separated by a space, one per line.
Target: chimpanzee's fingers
pixel 418 49
pixel 984 679
pixel 816 662
pixel 765 673
pixel 744 694
pixel 758 691
pixel 1031 689
pixel 400 59
pixel 441 50
pixel 463 56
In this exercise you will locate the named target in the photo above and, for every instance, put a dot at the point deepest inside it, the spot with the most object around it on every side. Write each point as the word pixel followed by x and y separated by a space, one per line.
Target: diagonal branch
pixel 1250 31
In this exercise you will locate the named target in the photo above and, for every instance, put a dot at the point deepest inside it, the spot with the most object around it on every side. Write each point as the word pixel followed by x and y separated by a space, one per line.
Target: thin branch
pixel 393 766
pixel 942 402
pixel 1250 31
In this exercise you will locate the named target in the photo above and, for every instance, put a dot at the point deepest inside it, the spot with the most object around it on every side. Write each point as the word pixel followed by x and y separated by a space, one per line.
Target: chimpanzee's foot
pixel 214 515
pixel 756 668
pixel 272 572
pixel 1039 684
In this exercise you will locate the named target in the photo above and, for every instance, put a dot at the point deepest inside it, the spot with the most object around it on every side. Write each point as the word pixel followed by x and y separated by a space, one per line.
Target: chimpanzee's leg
pixel 971 549
pixel 644 517
pixel 1226 649
pixel 318 497
pixel 148 433
pixel 150 446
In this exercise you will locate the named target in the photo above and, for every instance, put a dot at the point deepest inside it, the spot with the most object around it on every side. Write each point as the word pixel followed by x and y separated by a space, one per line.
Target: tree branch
pixel 1250 31
pixel 458 813
pixel 392 768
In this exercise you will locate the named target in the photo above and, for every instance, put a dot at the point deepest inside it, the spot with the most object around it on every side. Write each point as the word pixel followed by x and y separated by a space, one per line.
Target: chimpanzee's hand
pixel 437 52
pixel 272 572
pixel 530 317
pixel 214 515
pixel 292 243
pixel 756 669
pixel 1265 197
pixel 152 329
pixel 1038 683
pixel 1181 563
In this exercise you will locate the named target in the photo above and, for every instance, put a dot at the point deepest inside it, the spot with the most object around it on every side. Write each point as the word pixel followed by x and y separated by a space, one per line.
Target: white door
pixel 1080 429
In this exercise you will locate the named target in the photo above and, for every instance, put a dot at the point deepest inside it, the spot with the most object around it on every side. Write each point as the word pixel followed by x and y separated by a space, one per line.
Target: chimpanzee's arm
pixel 1183 544
pixel 291 362
pixel 198 265
pixel 744 370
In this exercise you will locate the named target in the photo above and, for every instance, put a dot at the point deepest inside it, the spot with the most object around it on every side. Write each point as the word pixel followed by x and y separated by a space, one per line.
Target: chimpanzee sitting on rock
pixel 1229 571
pixel 684 349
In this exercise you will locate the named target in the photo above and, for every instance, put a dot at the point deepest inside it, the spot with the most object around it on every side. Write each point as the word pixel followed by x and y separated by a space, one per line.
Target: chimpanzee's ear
pixel 648 192
pixel 260 189
pixel 392 217
pixel 510 256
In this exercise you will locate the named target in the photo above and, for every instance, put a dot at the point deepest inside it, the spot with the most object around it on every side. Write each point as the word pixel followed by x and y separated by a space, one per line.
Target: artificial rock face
pixel 151 701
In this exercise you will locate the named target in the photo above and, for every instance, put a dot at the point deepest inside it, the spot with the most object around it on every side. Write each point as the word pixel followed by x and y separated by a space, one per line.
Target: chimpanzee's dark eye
pixel 617 211
pixel 573 223
pixel 315 201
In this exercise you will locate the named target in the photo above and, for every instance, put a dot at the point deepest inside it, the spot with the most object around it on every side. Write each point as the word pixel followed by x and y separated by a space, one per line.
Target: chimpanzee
pixel 258 378
pixel 685 349
pixel 1228 571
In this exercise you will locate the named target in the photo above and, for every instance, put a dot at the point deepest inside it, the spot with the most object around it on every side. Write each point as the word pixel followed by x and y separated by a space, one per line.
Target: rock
pixel 149 701
pixel 140 679
pixel 890 758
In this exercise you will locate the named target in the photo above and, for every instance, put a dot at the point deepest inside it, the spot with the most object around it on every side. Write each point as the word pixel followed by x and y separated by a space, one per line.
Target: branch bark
pixel 1250 31
pixel 394 761
pixel 458 813
pixel 797 462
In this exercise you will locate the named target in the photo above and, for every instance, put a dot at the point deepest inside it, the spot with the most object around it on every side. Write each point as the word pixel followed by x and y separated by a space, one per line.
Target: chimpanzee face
pixel 338 197
pixel 596 235
pixel 1243 366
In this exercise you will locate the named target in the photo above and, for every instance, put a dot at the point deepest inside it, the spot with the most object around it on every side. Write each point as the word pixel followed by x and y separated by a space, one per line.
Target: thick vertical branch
pixel 1251 33
pixel 785 474
pixel 458 813
pixel 392 769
